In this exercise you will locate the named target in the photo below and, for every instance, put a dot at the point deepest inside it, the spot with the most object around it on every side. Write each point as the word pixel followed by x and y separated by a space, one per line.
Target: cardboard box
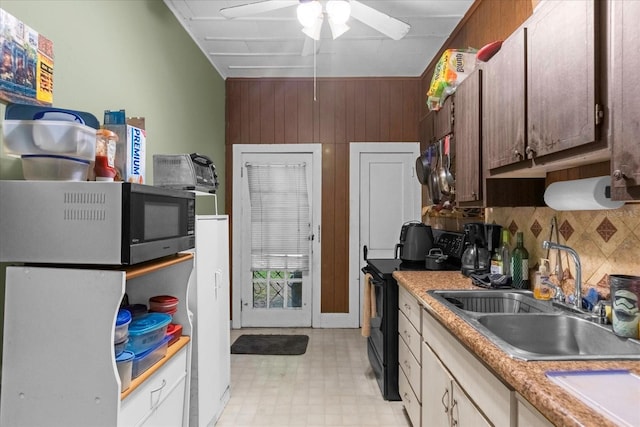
pixel 130 152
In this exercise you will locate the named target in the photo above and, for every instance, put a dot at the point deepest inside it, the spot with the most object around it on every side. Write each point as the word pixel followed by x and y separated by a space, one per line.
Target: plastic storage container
pixel 625 298
pixel 49 137
pixel 119 347
pixel 123 319
pixel 144 361
pixel 124 362
pixel 146 331
pixel 48 167
pixel 163 304
pixel 174 331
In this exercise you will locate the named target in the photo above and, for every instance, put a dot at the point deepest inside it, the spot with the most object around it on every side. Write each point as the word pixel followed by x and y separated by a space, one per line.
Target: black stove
pixel 382 344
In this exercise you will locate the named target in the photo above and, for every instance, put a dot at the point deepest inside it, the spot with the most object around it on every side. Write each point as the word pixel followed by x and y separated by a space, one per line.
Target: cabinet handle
pixel 405 397
pixel 445 400
pixel 517 154
pixel 159 391
pixel 406 364
pixel 531 153
pixel 407 306
pixel 454 407
pixel 618 175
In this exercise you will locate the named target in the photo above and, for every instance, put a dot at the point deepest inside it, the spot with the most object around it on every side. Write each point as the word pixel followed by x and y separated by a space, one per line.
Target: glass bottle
pixel 520 264
pixel 505 253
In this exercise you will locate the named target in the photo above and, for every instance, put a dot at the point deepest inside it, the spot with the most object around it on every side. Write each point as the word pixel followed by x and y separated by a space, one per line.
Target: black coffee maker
pixel 482 240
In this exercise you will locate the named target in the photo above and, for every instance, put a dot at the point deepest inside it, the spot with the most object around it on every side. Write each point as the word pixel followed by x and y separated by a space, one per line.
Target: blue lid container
pixel 125 356
pixel 123 317
pixel 147 331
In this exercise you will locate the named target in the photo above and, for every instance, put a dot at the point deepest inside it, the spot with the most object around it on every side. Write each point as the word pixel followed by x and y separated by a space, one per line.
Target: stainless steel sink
pixel 493 301
pixel 556 337
pixel 529 329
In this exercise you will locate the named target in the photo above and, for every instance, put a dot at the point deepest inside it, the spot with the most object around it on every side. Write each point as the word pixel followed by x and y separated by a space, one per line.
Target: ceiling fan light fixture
pixel 337 28
pixel 308 13
pixel 313 30
pixel 339 11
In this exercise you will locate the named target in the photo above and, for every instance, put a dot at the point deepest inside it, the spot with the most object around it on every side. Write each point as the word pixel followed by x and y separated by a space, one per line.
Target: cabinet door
pixel 436 390
pixel 503 103
pixel 467 144
pixel 463 412
pixel 443 120
pixel 427 131
pixel 211 350
pixel 626 108
pixel 561 76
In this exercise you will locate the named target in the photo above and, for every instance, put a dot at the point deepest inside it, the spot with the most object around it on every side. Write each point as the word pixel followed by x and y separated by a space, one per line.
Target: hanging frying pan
pixel 423 168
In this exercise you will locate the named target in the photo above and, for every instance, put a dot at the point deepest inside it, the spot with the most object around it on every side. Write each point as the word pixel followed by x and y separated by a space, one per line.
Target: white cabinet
pixel 58 365
pixel 409 378
pixel 528 416
pixel 474 381
pixel 444 402
pixel 209 302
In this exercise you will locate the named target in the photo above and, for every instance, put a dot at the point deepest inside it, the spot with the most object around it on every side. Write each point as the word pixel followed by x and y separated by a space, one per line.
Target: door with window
pixel 277 237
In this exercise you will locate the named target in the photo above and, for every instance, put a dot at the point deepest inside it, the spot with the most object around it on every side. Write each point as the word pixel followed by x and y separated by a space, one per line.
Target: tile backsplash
pixel 607 241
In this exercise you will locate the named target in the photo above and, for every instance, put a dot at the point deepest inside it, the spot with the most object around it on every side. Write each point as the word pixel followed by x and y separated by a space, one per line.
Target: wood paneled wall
pixel 274 111
pixel 283 111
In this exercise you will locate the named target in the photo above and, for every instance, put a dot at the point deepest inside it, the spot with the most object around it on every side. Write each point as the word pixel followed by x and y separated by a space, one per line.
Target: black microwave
pixel 93 222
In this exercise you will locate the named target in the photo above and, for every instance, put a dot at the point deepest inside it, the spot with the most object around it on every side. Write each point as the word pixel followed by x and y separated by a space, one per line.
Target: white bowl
pixel 47 167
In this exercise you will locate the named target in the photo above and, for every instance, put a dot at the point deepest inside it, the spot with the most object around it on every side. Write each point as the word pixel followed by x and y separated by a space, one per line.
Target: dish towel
pixel 369 305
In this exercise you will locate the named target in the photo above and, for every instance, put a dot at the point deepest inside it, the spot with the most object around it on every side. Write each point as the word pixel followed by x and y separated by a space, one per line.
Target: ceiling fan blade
pixel 251 9
pixel 379 21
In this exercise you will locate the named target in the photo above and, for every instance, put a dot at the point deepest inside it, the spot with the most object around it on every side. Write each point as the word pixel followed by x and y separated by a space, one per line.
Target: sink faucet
pixel 577 302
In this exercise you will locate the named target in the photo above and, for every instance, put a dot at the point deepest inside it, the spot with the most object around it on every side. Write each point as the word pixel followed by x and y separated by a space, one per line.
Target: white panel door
pixel 385 194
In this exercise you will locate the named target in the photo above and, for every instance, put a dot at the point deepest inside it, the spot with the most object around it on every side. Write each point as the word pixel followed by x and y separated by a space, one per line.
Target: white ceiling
pixel 271 44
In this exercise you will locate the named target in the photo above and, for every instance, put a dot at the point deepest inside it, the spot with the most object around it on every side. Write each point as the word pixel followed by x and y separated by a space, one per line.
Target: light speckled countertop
pixel 526 378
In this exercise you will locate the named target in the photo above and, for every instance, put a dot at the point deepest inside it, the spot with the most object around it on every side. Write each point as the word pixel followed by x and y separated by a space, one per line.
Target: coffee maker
pixel 482 240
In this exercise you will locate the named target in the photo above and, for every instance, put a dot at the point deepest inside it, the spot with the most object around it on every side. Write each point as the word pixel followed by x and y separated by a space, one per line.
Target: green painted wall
pixel 132 55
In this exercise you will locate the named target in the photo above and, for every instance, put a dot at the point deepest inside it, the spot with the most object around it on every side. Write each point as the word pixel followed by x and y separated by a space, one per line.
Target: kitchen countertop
pixel 527 378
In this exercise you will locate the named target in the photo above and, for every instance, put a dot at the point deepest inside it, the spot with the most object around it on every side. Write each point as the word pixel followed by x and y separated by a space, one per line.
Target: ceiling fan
pixel 310 14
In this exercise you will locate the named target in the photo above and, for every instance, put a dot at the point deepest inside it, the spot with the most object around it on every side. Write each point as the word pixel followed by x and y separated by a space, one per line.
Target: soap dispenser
pixel 541 290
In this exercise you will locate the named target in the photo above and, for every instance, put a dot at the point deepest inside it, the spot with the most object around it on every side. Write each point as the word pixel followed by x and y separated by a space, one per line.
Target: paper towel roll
pixel 580 195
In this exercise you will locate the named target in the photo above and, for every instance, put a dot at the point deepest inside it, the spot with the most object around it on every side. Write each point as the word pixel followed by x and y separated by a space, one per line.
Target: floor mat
pixel 285 345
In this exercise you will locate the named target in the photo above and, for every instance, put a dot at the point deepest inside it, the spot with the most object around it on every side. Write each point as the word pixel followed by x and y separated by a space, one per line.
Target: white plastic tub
pixel 49 137
pixel 47 167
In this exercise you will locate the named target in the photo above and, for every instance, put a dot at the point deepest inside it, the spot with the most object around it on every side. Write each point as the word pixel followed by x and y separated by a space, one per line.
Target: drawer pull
pixel 407 365
pixel 405 397
pixel 407 306
pixel 159 391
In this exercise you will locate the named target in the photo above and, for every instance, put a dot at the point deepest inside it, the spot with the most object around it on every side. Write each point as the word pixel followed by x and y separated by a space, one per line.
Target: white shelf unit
pixel 209 298
pixel 58 361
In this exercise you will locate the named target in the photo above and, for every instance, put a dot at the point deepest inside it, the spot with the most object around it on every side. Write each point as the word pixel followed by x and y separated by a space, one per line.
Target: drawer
pixel 409 400
pixel 411 368
pixel 146 398
pixel 409 334
pixel 410 307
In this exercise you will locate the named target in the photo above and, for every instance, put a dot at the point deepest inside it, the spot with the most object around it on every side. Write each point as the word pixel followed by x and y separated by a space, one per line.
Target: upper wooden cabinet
pixel 561 76
pixel 503 103
pixel 625 160
pixel 540 90
pixel 467 143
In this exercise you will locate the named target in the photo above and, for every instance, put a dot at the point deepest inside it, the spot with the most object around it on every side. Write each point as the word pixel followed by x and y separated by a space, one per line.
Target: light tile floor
pixel 332 384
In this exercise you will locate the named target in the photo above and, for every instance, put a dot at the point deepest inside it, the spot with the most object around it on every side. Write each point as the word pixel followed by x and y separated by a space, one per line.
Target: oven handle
pixel 375 280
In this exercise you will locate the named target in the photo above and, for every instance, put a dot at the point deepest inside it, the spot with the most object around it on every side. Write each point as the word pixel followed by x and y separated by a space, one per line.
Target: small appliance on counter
pixel 416 240
pixel 476 258
pixel 185 172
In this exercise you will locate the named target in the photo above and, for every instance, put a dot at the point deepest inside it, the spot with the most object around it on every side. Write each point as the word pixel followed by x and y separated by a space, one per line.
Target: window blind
pixel 280 216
